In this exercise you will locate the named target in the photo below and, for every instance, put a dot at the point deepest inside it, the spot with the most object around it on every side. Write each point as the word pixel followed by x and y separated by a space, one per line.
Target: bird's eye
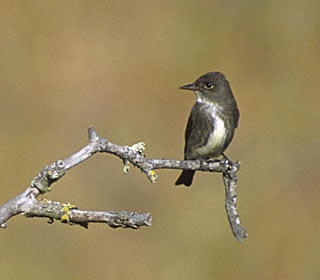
pixel 208 85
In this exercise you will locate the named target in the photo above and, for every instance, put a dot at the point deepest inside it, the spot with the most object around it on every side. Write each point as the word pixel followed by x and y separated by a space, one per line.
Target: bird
pixel 212 121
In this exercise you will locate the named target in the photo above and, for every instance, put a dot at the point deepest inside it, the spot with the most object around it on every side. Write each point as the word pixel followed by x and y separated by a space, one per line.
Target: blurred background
pixel 117 65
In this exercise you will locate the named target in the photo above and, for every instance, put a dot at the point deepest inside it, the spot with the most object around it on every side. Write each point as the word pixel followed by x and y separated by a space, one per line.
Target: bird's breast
pixel 215 145
pixel 216 141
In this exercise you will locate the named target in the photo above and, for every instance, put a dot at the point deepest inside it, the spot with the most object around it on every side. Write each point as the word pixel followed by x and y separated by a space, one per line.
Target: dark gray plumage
pixel 212 121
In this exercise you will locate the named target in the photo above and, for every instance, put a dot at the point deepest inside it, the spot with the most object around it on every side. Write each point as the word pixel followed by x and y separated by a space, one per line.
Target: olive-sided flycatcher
pixel 212 121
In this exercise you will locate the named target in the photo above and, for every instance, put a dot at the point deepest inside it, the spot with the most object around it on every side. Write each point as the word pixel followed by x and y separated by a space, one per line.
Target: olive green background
pixel 117 65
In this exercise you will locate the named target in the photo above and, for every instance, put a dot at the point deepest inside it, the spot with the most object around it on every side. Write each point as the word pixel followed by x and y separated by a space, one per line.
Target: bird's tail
pixel 185 178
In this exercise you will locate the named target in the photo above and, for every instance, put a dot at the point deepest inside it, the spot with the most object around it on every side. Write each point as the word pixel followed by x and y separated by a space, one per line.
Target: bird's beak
pixel 189 87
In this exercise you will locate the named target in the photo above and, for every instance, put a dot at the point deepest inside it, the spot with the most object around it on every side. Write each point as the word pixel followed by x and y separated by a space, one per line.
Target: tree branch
pixel 67 213
pixel 230 180
pixel 27 204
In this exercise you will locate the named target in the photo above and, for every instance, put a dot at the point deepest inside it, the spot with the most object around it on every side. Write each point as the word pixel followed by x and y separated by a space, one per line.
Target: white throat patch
pixel 199 96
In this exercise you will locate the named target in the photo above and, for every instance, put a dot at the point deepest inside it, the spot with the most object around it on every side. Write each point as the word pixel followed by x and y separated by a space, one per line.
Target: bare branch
pixel 67 213
pixel 27 204
pixel 230 180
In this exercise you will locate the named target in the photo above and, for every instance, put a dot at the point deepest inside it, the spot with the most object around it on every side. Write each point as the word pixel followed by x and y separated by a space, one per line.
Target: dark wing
pixel 198 129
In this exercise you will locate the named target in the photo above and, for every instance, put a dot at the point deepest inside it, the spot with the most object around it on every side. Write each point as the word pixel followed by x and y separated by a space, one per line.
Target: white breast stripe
pixel 217 139
pixel 219 133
